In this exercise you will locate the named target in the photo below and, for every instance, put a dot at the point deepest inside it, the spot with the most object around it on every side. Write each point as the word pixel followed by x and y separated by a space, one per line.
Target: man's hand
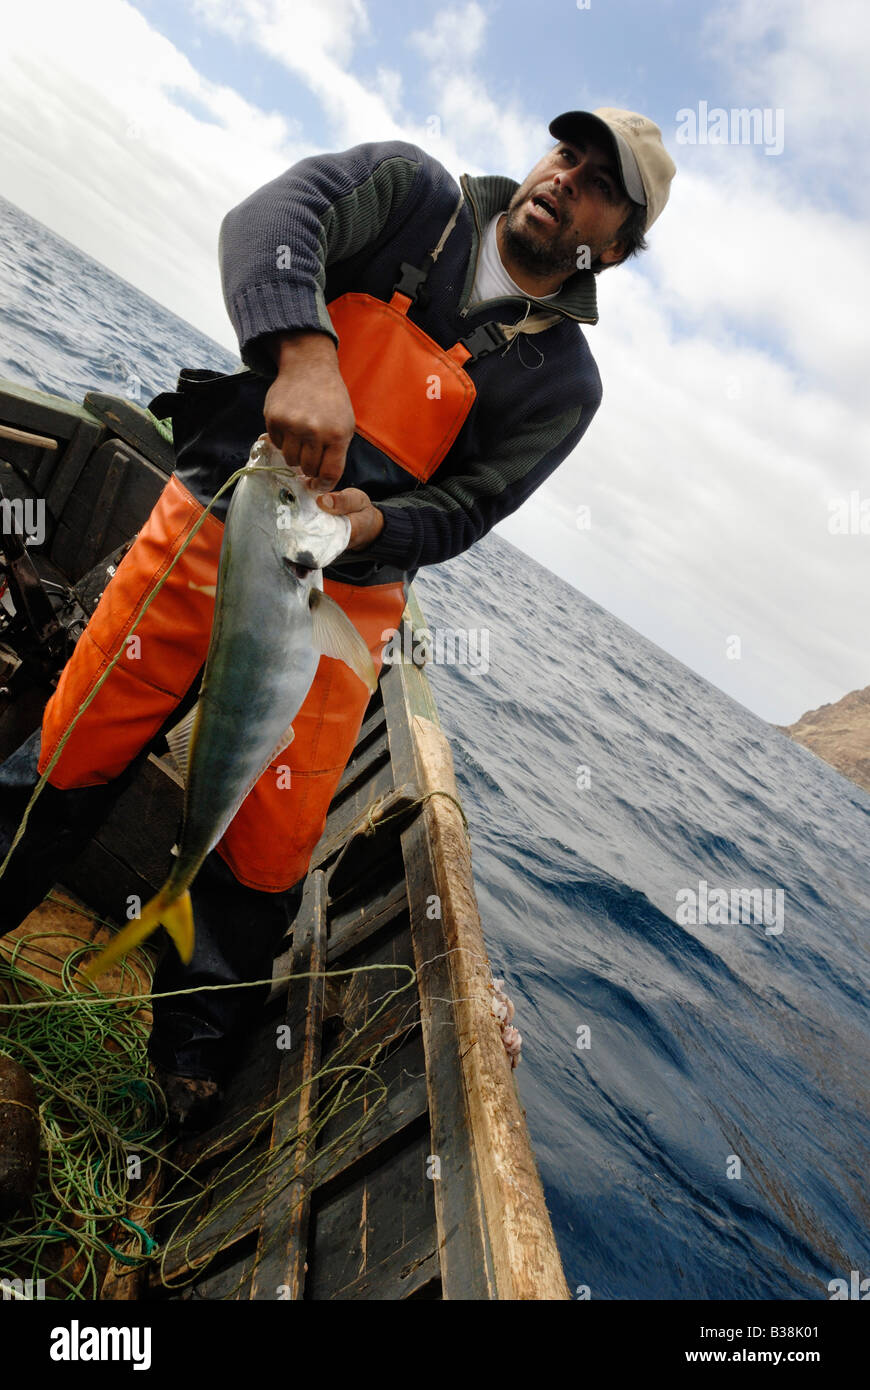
pixel 308 411
pixel 366 520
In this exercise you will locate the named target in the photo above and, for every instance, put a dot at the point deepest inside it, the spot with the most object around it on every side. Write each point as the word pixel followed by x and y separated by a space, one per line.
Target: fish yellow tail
pixel 175 914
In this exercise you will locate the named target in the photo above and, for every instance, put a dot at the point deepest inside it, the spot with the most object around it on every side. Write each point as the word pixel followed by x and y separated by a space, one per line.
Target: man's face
pixel 580 182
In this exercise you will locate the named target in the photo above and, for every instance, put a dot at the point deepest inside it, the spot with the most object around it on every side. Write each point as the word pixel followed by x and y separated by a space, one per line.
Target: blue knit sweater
pixel 347 221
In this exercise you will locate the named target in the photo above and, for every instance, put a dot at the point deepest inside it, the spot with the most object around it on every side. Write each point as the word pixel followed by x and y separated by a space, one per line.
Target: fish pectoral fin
pixel 179 740
pixel 176 917
pixel 335 635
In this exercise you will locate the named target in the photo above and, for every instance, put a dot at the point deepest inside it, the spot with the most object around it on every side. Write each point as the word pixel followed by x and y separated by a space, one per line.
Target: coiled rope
pixel 99 1109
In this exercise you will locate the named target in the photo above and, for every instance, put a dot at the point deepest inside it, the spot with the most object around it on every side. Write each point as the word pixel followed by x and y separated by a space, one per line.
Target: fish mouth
pixel 300 568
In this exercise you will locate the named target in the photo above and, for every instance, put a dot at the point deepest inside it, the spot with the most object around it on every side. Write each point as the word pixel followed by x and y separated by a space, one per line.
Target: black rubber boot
pixel 238 932
pixel 59 827
pixel 238 929
pixel 191 1105
pixel 62 822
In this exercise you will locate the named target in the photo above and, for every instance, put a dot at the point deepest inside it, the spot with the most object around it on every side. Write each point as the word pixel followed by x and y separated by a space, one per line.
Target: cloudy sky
pixel 734 431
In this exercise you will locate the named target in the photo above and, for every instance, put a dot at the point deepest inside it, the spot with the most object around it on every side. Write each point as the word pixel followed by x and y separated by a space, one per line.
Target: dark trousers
pixel 238 929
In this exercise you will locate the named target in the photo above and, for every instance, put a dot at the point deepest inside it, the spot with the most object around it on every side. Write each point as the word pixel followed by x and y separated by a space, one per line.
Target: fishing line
pixel 369 826
pixel 91 1124
pixel 152 594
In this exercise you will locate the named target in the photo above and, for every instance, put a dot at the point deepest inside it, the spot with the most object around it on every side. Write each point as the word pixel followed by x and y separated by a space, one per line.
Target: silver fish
pixel 272 622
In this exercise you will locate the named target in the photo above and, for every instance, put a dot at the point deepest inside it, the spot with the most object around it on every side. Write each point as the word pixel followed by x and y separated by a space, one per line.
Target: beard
pixel 533 252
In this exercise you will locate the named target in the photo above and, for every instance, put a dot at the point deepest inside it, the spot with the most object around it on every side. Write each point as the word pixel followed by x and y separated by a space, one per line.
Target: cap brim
pixel 572 122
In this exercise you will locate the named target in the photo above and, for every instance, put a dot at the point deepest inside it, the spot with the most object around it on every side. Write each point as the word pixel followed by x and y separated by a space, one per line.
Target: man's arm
pixel 433 523
pixel 274 250
pixel 275 246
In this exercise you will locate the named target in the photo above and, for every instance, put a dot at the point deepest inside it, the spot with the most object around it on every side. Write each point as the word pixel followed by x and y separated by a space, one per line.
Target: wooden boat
pixel 436 1193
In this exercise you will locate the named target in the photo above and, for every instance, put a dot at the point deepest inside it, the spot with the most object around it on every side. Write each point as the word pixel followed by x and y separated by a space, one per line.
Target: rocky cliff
pixel 839 733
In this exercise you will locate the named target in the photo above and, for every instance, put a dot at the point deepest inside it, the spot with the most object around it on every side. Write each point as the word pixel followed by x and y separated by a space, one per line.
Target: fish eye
pixel 287 497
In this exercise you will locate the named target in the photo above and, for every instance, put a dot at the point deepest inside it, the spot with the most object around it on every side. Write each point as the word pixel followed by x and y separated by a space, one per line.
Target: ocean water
pixel 696 1090
pixel 68 325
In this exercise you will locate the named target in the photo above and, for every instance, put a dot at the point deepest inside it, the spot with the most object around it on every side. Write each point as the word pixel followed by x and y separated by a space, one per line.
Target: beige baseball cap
pixel 644 163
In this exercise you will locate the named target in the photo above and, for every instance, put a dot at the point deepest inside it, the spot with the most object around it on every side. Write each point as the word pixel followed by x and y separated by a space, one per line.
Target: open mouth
pixel 295 568
pixel 546 206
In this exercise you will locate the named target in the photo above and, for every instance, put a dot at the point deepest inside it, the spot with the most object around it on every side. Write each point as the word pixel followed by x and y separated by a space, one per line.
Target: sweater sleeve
pixel 443 518
pixel 275 246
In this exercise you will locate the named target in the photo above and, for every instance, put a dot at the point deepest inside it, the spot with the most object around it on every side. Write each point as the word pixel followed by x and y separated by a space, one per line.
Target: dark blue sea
pixel 696 1088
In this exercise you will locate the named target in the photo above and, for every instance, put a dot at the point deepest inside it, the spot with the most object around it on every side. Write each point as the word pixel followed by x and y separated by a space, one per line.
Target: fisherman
pixel 416 349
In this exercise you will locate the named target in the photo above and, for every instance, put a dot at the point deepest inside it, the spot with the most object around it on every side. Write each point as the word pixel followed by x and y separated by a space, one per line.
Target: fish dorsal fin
pixel 335 635
pixel 179 741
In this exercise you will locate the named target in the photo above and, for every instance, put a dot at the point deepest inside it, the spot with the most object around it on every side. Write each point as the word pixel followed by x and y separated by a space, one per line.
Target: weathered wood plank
pixel 249 1095
pixel 38 441
pixel 385 1215
pixel 101 514
pixel 56 477
pixel 91 545
pixel 382 1116
pixel 72 432
pixel 65 476
pixel 525 1257
pixel 31 409
pixel 354 926
pixel 106 882
pixel 230 1283
pixel 128 421
pixel 345 815
pixel 282 1246
pixel 362 766
pixel 333 843
pixel 373 1022
pixel 131 852
pixel 227 1213
pixel 462 1228
pixel 399 1276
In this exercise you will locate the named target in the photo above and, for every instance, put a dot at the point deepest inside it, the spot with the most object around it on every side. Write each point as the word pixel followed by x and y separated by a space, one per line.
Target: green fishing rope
pixel 98 1108
pixel 91 1114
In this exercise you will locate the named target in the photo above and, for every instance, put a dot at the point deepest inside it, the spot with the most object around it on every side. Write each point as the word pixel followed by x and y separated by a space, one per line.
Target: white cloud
pixel 97 142
pixel 812 61
pixel 732 354
pixel 742 250
pixel 500 135
pixel 295 33
pixel 315 40
pixel 709 472
pixel 453 37
pixel 735 384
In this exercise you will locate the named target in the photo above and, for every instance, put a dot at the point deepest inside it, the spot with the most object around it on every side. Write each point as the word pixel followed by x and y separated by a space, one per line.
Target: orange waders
pixel 163 645
pixel 410 398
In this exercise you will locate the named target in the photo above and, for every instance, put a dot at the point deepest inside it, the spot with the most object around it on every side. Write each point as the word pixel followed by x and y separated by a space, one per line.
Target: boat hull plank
pixel 369 1236
pixel 466 1270
pixel 283 1237
pixel 437 1195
